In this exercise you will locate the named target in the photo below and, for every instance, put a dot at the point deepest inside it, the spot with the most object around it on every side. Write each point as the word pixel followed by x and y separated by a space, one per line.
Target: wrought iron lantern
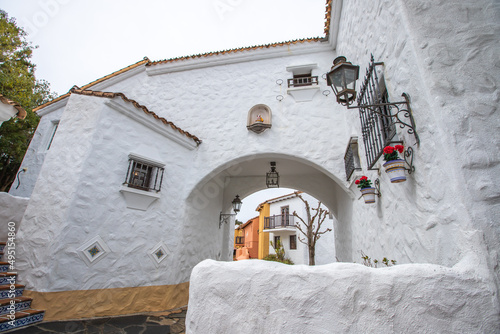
pixel 273 177
pixel 225 217
pixel 236 204
pixel 342 78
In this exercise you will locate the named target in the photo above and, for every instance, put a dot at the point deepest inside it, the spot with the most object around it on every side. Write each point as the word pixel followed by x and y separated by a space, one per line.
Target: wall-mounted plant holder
pixel 259 118
pixel 396 167
pixel 369 193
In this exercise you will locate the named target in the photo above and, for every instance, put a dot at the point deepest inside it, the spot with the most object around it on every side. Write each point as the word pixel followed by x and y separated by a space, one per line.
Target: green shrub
pixel 273 257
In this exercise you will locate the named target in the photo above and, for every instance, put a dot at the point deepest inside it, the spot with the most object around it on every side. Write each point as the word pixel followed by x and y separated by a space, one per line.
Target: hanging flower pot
pixel 394 167
pixel 367 191
pixel 368 195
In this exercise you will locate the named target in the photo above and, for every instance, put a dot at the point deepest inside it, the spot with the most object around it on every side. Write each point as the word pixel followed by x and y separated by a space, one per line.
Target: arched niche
pixel 259 118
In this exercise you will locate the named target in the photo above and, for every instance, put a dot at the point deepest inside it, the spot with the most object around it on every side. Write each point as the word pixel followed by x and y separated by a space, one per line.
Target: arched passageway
pixel 202 237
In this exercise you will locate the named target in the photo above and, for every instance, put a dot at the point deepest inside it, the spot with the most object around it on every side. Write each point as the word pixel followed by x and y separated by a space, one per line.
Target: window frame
pixel 293 241
pixel 144 174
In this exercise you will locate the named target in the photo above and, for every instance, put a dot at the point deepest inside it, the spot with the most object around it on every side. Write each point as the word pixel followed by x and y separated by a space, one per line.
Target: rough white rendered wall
pixel 11 210
pixel 445 55
pixel 266 297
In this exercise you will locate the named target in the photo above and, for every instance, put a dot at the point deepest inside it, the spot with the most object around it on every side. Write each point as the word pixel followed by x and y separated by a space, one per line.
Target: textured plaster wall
pixel 337 298
pixel 35 155
pixel 445 55
pixel 11 210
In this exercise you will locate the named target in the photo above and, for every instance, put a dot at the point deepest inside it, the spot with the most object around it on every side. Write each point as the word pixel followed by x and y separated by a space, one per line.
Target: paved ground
pixel 168 322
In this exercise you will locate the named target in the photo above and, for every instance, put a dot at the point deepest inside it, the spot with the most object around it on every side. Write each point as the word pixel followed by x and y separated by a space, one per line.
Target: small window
pixel 277 241
pixel 143 174
pixel 293 241
pixel 351 158
pixel 55 125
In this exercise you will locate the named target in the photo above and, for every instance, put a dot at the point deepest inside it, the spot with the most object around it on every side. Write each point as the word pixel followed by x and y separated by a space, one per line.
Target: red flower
pixel 357 181
pixel 400 148
pixel 388 149
pixel 362 178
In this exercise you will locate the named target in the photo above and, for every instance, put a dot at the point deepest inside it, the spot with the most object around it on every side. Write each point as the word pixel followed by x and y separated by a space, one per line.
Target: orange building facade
pixel 246 240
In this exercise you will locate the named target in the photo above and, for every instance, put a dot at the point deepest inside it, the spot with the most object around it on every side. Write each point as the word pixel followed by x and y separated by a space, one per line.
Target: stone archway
pixel 245 175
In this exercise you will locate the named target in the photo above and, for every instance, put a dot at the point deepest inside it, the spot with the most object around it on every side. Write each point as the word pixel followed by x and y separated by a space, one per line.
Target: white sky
pixel 80 41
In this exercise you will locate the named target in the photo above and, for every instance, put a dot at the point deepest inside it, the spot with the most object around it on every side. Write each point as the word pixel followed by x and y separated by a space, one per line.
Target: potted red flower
pixel 367 191
pixel 394 166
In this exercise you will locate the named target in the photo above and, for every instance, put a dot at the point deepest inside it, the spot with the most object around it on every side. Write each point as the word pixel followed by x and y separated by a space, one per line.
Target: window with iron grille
pixel 293 241
pixel 351 158
pixel 144 174
pixel 378 131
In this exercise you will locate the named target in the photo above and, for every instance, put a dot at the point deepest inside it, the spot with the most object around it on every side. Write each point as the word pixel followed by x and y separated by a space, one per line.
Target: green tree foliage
pixel 18 83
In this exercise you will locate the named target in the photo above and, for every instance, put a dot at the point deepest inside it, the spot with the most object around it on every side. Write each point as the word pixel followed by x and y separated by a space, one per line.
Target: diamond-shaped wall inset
pixel 93 250
pixel 158 253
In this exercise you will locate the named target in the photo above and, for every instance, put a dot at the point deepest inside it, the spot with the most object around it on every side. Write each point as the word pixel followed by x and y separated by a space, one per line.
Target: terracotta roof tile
pixel 21 113
pixel 95 82
pixel 76 90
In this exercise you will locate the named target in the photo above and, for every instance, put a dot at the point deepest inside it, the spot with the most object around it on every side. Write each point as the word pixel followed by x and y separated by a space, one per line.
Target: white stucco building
pixel 281 224
pixel 128 175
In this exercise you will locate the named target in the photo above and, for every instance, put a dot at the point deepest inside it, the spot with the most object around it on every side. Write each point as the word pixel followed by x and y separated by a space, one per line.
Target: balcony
pixel 279 222
pixel 239 241
pixel 302 81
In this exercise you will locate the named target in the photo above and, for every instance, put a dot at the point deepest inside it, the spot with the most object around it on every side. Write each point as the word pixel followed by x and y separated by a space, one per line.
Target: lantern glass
pixel 342 78
pixel 237 204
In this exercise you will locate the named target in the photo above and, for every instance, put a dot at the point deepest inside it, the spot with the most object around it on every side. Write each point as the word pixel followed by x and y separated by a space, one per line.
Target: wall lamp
pixel 342 79
pixel 225 217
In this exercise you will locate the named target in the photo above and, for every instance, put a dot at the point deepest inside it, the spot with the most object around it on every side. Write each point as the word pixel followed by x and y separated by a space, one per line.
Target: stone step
pixel 20 319
pixel 7 292
pixel 7 278
pixel 4 267
pixel 20 304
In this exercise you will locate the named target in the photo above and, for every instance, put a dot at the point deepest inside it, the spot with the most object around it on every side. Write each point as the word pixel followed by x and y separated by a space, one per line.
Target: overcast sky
pixel 80 41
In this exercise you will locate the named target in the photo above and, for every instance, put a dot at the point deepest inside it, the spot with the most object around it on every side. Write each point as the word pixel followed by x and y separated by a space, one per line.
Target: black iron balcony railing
pixel 240 240
pixel 279 221
pixel 302 81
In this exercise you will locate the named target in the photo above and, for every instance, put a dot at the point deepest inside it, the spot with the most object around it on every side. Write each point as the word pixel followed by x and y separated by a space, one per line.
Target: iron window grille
pixel 351 158
pixel 144 175
pixel 378 125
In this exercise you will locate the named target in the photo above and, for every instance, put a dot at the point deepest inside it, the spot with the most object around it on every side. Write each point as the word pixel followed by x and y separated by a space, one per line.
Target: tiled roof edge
pixel 247 48
pixel 76 90
pixel 283 197
pixel 21 113
pixel 95 82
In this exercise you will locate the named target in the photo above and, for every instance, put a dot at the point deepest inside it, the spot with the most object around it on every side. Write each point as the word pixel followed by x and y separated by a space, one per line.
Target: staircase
pixel 15 310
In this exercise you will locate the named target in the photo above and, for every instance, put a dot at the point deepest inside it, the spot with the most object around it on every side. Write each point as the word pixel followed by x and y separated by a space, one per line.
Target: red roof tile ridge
pixel 21 113
pixel 144 61
pixel 88 92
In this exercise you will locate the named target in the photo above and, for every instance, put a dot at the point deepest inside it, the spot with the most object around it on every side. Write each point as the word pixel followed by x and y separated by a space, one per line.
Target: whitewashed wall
pixel 445 56
pixel 11 210
pixel 35 155
pixel 337 298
